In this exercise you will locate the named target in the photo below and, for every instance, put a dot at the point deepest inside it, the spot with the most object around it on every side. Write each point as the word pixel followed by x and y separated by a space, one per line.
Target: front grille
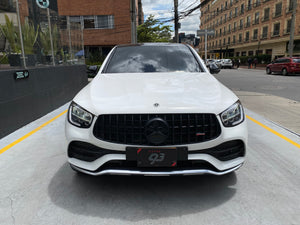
pixel 183 128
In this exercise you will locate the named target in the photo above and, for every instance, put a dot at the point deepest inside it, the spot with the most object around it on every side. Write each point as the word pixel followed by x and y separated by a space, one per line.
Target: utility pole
pixel 291 43
pixel 176 20
pixel 133 22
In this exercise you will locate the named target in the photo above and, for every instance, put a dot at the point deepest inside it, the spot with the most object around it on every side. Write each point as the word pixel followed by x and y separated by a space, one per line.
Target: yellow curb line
pixel 274 132
pixel 30 133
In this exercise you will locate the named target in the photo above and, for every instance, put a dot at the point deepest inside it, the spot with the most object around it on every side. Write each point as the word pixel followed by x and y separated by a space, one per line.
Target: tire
pixel 268 70
pixel 284 72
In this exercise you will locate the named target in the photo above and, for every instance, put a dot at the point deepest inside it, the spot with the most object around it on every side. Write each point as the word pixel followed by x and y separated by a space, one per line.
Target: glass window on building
pixel 255 34
pixel 240 38
pixel 276 29
pixel 89 22
pixel 244 53
pixel 228 41
pixel 288 26
pixel 233 39
pixel 256 19
pixel 229 28
pixel 225 19
pixel 105 22
pixel 224 41
pixel 242 8
pixel 249 6
pixel 234 26
pixel 248 21
pixel 247 36
pixel 241 24
pixel 278 9
pixel 230 14
pixel 265 32
pixel 235 11
pixel 266 14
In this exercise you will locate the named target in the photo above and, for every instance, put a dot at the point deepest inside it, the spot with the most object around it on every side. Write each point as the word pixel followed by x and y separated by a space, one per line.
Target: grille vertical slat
pixel 183 128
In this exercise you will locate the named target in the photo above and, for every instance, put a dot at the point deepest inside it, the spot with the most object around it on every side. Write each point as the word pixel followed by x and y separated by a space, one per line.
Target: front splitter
pixel 155 173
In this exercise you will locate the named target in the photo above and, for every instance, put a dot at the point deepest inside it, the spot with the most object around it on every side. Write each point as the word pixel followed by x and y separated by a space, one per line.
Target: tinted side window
pixel 296 60
pixel 147 58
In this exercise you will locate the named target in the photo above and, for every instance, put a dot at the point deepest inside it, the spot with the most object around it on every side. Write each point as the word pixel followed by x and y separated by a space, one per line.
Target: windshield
pixel 149 58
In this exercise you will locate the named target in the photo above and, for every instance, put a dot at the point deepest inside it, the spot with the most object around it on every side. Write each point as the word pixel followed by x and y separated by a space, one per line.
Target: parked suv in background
pixel 226 63
pixel 285 66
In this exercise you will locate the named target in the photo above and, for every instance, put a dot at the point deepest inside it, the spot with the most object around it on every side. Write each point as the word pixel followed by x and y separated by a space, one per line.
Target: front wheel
pixel 268 71
pixel 284 72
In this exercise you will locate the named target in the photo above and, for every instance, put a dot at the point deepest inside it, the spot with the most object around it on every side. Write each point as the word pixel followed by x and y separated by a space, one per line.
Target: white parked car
pixel 226 63
pixel 154 109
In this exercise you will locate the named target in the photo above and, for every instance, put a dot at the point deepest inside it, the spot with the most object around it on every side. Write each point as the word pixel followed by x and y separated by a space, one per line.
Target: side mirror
pixel 214 69
pixel 92 71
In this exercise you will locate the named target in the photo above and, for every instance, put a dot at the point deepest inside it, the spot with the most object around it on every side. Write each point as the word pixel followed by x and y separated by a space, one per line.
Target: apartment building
pixel 249 27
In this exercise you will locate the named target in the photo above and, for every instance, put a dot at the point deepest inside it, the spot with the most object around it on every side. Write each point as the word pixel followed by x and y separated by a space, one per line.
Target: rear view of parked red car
pixel 285 66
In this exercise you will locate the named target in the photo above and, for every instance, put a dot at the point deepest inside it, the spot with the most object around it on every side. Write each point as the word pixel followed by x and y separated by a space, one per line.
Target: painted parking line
pixel 274 132
pixel 64 112
pixel 31 133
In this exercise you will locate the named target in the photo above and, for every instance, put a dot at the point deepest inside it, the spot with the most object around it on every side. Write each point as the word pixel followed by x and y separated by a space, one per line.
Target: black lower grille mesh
pixel 183 128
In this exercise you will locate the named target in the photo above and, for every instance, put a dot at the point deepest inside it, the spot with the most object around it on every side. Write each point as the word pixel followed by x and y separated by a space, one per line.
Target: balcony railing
pixel 256 21
pixel 246 40
pixel 289 10
pixel 277 14
pixel 254 38
pixel 286 31
pixel 234 29
pixel 234 15
pixel 249 7
pixel 264 19
pixel 275 33
pixel 264 36
pixel 240 41
pixel 256 4
pixel 241 27
pixel 241 13
pixel 247 24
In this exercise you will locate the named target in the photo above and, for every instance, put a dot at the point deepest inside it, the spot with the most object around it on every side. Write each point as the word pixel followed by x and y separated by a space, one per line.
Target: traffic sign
pixel 44 4
pixel 202 32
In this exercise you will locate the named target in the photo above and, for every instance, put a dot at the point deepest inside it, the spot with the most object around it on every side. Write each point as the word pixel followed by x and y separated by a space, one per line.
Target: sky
pixel 164 9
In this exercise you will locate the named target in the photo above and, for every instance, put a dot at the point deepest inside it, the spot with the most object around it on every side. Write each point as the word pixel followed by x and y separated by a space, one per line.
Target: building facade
pixel 249 27
pixel 105 23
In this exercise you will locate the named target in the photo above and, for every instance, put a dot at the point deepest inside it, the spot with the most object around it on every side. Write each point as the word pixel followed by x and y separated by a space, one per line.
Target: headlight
pixel 233 116
pixel 79 117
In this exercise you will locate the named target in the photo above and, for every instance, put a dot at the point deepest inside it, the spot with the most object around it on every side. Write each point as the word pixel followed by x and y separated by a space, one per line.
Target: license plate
pixel 153 157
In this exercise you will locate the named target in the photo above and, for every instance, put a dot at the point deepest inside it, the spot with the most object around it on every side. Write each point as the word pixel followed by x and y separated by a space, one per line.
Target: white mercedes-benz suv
pixel 154 109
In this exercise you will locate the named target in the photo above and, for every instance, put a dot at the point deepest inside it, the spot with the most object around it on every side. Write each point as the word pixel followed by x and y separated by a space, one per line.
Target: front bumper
pixel 199 159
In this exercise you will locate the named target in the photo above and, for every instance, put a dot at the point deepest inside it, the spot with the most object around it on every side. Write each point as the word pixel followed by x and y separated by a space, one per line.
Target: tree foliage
pixel 153 31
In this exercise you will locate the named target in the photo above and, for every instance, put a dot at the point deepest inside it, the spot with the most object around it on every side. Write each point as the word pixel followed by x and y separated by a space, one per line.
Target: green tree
pixel 45 39
pixel 11 34
pixel 153 31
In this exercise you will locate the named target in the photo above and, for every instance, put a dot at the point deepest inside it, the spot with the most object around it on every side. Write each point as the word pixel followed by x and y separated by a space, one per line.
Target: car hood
pixel 176 92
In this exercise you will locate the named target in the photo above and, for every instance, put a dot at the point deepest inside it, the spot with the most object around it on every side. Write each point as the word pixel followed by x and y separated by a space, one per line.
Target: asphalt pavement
pixel 38 187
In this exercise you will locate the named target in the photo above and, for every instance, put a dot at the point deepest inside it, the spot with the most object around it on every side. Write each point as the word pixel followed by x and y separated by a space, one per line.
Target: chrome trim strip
pixel 154 173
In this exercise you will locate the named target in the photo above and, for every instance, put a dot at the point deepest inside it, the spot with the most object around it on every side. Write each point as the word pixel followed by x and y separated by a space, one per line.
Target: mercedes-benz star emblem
pixel 156 104
pixel 157 131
